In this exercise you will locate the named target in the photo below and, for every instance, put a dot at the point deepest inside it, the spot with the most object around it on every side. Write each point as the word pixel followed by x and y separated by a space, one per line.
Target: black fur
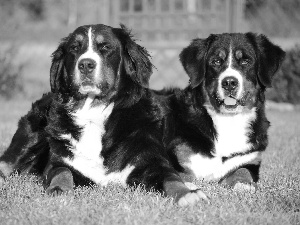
pixel 29 145
pixel 134 132
pixel 155 132
pixel 193 125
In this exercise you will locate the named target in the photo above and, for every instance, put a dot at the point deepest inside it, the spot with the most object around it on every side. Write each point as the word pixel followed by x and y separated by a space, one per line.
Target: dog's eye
pixel 216 62
pixel 74 48
pixel 244 62
pixel 103 47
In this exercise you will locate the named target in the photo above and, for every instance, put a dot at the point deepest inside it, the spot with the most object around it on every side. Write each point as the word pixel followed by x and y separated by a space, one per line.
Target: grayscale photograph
pixel 150 112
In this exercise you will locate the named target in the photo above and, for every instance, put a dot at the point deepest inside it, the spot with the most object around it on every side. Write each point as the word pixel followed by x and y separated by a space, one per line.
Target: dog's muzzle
pixel 87 68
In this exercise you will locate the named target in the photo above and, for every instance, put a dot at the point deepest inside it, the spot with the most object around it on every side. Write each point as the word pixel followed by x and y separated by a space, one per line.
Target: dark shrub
pixel 286 83
pixel 10 74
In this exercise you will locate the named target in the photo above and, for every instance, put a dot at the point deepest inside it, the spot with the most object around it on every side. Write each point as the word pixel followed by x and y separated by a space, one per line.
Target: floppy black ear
pixel 57 69
pixel 193 59
pixel 135 57
pixel 270 57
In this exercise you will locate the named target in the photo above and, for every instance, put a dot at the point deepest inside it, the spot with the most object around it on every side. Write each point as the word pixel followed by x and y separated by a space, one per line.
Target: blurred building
pixel 166 26
pixel 175 20
pixel 162 20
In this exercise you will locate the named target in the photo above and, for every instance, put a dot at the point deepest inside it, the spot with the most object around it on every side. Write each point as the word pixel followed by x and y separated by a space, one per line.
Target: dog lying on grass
pixel 100 123
pixel 219 122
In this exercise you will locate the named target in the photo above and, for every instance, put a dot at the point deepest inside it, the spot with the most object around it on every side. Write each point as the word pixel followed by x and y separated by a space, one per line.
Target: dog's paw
pixel 191 185
pixel 59 190
pixel 5 170
pixel 245 187
pixel 2 180
pixel 192 197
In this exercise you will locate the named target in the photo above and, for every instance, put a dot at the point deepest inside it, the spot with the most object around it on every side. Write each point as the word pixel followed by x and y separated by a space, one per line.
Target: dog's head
pixel 232 70
pixel 95 59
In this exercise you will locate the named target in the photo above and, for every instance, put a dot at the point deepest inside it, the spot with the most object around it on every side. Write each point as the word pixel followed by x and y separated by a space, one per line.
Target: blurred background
pixel 30 31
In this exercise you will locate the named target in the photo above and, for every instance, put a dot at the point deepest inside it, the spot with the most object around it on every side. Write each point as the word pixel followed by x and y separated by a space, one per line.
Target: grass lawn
pixel 277 201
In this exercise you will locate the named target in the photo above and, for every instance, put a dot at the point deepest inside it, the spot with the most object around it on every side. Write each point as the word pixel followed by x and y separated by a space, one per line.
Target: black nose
pixel 86 65
pixel 230 83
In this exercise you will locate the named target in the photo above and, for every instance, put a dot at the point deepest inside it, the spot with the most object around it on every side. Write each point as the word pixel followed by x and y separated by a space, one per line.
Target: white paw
pixel 191 198
pixel 191 185
pixel 244 187
pixel 1 181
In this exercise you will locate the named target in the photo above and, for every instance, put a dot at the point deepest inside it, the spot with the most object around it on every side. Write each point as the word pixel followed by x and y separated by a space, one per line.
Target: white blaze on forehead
pixel 89 54
pixel 230 72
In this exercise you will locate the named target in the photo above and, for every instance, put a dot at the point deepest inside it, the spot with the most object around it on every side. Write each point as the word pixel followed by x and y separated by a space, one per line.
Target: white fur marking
pixel 232 137
pixel 89 54
pixel 87 151
pixel 191 186
pixel 230 72
pixel 6 168
pixel 232 132
pixel 214 169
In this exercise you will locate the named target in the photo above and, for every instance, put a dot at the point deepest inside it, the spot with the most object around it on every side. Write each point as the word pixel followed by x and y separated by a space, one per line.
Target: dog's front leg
pixel 182 194
pixel 58 180
pixel 243 179
pixel 162 177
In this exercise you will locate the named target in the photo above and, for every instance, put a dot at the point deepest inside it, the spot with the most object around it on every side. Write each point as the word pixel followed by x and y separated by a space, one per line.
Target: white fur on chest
pixel 92 121
pixel 232 133
pixel 232 137
pixel 87 151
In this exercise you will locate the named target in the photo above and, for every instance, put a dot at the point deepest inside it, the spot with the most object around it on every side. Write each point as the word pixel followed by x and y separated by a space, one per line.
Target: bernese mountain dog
pixel 219 122
pixel 100 123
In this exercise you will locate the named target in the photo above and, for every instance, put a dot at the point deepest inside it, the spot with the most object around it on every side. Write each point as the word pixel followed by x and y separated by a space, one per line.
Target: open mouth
pixel 230 102
pixel 88 87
